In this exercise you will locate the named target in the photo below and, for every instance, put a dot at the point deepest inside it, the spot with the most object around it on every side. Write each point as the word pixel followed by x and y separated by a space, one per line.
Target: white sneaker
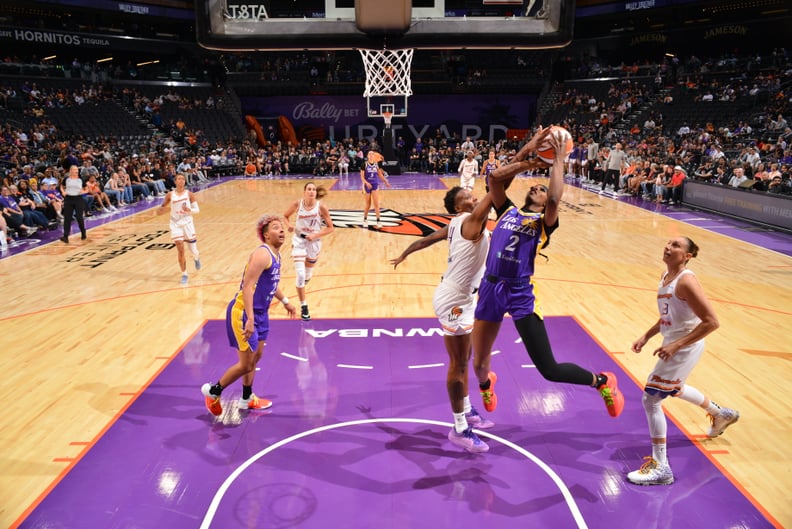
pixel 105 210
pixel 378 225
pixel 365 223
pixel 651 473
pixel 723 420
pixel 254 403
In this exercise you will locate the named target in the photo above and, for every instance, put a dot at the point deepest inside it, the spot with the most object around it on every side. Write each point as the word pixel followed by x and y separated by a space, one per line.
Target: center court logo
pixel 418 224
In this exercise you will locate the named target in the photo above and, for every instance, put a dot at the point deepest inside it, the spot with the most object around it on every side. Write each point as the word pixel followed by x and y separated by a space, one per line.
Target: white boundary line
pixel 218 497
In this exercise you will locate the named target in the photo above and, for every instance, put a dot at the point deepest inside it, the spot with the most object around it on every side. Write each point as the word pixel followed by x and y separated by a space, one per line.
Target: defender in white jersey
pixel 183 207
pixel 468 169
pixel 454 303
pixel 686 317
pixel 312 223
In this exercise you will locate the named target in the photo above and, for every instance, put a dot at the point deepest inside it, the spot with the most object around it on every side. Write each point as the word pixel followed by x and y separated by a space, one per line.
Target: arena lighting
pixel 104 60
pixel 147 62
pixel 49 58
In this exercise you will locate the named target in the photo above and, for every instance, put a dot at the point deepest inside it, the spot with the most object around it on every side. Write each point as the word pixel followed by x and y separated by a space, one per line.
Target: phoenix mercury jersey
pixel 517 238
pixel 308 219
pixel 266 286
pixel 676 317
pixel 465 257
pixel 180 207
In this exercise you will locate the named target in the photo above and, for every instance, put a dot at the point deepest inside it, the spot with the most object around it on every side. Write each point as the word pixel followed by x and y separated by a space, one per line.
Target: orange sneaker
pixel 614 400
pixel 212 401
pixel 254 403
pixel 488 396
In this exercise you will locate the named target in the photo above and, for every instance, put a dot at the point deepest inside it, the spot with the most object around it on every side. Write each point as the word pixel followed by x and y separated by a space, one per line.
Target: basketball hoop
pixel 387 116
pixel 387 72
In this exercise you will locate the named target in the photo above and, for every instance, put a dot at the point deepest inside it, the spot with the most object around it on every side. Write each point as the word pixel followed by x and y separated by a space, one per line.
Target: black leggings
pixel 72 204
pixel 534 336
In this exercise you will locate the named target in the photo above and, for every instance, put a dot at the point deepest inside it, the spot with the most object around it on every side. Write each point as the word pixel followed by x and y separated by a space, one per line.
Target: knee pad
pixel 299 269
pixel 651 402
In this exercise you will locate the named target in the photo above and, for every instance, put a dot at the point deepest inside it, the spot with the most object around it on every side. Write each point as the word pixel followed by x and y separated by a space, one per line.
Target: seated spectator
pixel 31 215
pixel 738 178
pixel 13 213
pixel 705 172
pixel 114 190
pixel 95 190
pixel 250 169
pixel 674 189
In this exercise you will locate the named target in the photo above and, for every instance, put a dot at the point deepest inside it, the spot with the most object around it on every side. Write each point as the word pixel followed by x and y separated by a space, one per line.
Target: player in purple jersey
pixel 370 176
pixel 489 165
pixel 508 286
pixel 247 316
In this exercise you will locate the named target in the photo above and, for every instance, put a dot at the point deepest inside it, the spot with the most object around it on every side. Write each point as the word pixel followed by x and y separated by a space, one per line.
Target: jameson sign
pixel 485 117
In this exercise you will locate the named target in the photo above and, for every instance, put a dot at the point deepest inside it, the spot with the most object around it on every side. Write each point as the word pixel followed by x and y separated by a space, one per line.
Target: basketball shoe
pixel 651 473
pixel 467 440
pixel 488 396
pixel 475 420
pixel 719 423
pixel 254 403
pixel 197 264
pixel 304 314
pixel 212 401
pixel 614 400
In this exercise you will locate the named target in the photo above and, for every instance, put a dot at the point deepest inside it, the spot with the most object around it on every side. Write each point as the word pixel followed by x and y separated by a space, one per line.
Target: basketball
pixel 546 152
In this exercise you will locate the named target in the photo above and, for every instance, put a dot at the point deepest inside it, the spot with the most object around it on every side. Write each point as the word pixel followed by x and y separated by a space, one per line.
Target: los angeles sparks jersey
pixel 371 174
pixel 489 167
pixel 266 286
pixel 180 207
pixel 676 317
pixel 308 219
pixel 517 238
pixel 465 257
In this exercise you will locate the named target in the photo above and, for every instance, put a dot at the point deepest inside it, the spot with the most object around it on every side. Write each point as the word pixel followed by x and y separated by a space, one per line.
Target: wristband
pixel 285 301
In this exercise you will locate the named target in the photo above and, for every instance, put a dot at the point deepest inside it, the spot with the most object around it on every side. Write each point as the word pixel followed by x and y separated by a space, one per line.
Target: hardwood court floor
pixel 86 326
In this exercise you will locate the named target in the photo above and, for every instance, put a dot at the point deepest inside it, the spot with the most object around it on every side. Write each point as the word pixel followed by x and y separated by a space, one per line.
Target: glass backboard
pixel 434 24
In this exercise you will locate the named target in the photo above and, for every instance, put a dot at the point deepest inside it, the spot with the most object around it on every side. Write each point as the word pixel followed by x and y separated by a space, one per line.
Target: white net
pixel 387 72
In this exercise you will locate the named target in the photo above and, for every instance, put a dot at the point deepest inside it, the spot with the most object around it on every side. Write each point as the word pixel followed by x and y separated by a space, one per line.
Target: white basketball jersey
pixel 308 220
pixel 676 317
pixel 180 206
pixel 466 258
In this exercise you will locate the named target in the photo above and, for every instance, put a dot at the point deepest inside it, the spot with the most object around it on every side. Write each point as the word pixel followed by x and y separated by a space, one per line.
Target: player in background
pixel 183 206
pixel 370 175
pixel 247 316
pixel 311 224
pixel 468 169
pixel 686 318
pixel 489 165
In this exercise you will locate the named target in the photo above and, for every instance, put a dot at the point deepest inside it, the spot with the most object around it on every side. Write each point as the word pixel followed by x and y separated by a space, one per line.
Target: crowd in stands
pixel 645 158
pixel 652 159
